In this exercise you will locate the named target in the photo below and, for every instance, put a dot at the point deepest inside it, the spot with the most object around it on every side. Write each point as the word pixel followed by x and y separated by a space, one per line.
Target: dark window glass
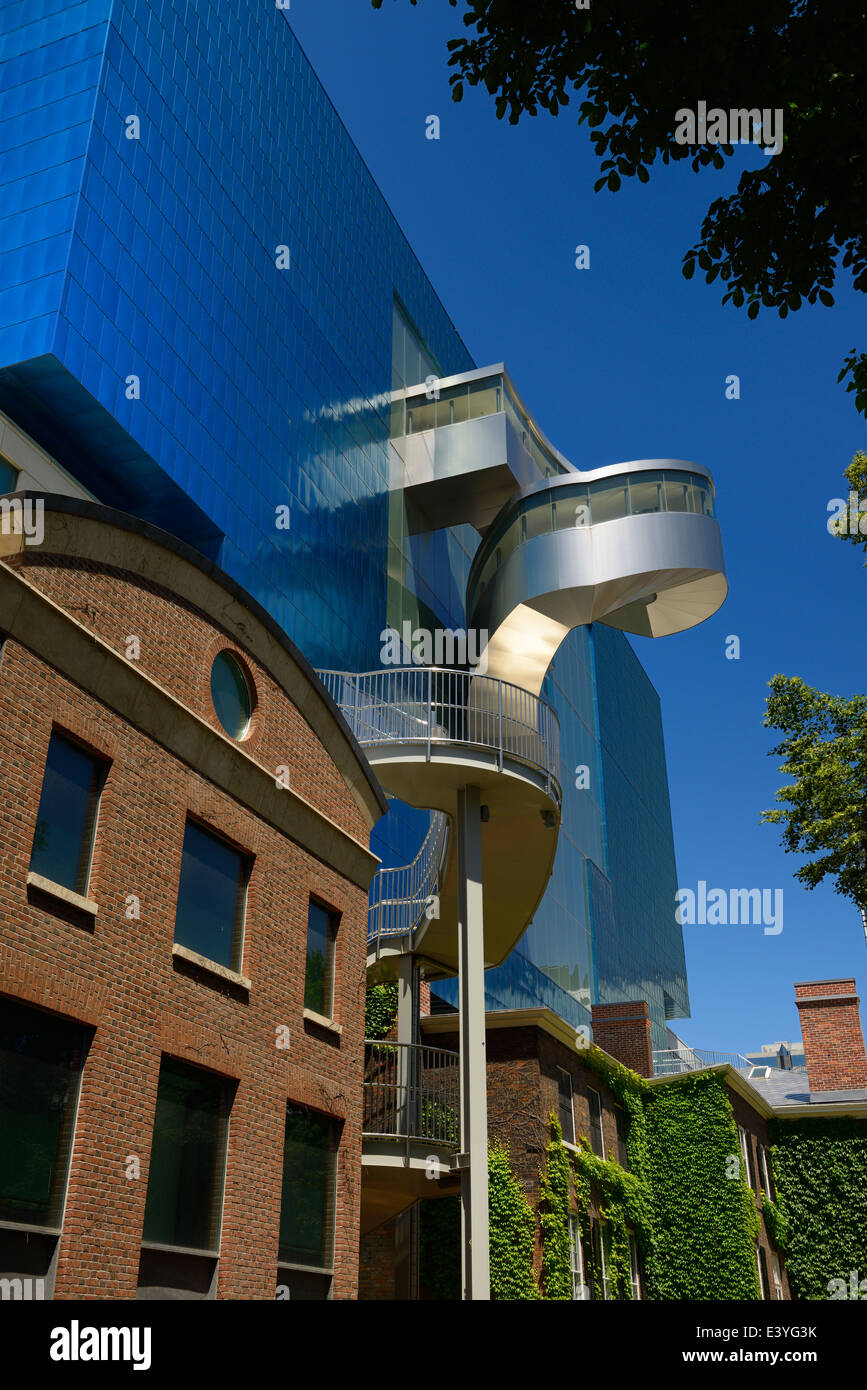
pixel 230 693
pixel 567 1115
pixel 596 1140
pixel 40 1064
pixel 309 1173
pixel 66 820
pixel 620 1118
pixel 319 980
pixel 210 915
pixel 8 476
pixel 763 1271
pixel 188 1157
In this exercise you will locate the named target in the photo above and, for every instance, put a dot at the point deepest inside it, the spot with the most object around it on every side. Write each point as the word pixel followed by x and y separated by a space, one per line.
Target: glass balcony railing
pixel 570 505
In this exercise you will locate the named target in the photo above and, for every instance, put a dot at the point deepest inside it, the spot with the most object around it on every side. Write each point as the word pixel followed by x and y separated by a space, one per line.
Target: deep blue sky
pixel 628 360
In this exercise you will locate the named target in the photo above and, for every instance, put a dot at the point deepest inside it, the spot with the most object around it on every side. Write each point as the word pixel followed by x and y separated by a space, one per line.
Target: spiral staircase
pixel 634 545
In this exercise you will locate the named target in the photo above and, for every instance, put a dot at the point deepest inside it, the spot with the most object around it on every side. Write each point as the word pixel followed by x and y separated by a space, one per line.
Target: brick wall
pixel 756 1129
pixel 377 1269
pixel 832 1033
pixel 119 976
pixel 623 1031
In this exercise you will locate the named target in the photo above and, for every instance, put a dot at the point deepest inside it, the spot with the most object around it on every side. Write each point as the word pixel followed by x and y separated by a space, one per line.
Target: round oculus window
pixel 230 692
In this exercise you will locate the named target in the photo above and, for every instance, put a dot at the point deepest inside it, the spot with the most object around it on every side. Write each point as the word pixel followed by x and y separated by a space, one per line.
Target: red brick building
pixel 184 853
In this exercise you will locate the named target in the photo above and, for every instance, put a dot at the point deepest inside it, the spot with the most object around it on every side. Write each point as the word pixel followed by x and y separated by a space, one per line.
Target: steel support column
pixel 406 1033
pixel 476 1282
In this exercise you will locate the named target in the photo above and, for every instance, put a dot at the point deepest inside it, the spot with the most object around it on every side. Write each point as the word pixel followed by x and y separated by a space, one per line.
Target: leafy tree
pixel 778 239
pixel 852 525
pixel 824 807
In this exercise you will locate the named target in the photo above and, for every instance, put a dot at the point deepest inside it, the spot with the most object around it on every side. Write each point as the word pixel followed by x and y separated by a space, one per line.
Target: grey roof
pixel 784 1088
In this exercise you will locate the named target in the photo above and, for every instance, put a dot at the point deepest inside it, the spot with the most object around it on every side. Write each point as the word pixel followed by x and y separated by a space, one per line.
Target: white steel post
pixel 474 1091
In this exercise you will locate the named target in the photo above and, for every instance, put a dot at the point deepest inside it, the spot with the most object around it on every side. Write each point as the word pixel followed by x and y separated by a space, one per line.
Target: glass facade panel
pixel 41 1057
pixel 453 406
pixel 188 1159
pixel 645 493
pixel 677 493
pixel 421 414
pixel 210 912
pixel 309 1176
pixel 701 495
pixel 571 508
pixel 319 978
pixel 66 819
pixel 608 501
pixel 486 397
pixel 513 536
pixel 537 517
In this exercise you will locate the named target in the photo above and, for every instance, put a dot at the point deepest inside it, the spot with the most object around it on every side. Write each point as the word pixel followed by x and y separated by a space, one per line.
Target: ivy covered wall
pixel 820 1173
pixel 684 1196
pixel 705 1220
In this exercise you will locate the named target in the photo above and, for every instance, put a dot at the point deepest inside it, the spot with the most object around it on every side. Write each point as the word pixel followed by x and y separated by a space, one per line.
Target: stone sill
pixel 65 895
pixel 322 1022
pixel 211 966
pixel 180 1250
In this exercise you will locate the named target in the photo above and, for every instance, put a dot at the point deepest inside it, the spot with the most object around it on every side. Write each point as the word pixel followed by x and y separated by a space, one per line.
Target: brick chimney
pixel 623 1031
pixel 833 1039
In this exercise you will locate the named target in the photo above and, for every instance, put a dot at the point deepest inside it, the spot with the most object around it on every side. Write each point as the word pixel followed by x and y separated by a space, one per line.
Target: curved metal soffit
pixel 635 545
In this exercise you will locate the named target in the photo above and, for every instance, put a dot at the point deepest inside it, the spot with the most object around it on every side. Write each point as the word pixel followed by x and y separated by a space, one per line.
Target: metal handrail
pixel 411 1091
pixel 672 1060
pixel 432 706
pixel 401 897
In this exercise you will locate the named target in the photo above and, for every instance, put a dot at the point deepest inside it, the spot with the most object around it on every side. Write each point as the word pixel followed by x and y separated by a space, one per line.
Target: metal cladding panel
pixel 155 155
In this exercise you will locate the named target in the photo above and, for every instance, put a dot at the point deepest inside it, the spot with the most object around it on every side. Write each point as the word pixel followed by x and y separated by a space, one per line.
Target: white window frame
pixel 745 1156
pixel 777 1275
pixel 634 1273
pixel 580 1289
pixel 765 1171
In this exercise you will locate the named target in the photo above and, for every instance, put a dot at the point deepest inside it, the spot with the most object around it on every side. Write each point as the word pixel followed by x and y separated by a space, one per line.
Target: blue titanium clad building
pixel 204 312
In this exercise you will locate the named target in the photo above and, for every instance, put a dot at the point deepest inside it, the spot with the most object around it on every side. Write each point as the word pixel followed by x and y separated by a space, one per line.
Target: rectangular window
pixel 188 1159
pixel 66 819
pixel 620 1120
pixel 747 1156
pixel 765 1171
pixel 598 1257
pixel 8 475
pixel 605 1252
pixel 762 1262
pixel 597 1141
pixel 567 1113
pixel 309 1183
pixel 778 1275
pixel 41 1057
pixel 211 896
pixel 319 979
pixel 634 1271
pixel 580 1289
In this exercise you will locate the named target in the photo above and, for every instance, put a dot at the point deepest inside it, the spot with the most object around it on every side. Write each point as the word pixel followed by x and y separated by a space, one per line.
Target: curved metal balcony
pixel 410 1127
pixel 428 732
pixel 429 714
pixel 637 547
